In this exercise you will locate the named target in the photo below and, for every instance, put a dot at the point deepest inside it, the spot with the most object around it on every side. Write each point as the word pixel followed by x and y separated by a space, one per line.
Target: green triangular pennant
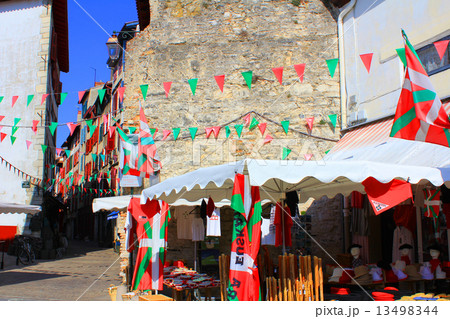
pixel 94 157
pixel 153 130
pixel 44 148
pixel 67 153
pixel 285 125
pixel 92 130
pixel 286 152
pixel 14 130
pixel 248 75
pixel 53 166
pixel 13 139
pixel 333 119
pixel 53 127
pixel 1 99
pixel 193 131
pixel 89 123
pixel 402 55
pixel 227 131
pixel 144 89
pixel 253 124
pixel 101 95
pixel 239 128
pixel 16 120
pixel 326 152
pixel 102 157
pixel 70 174
pixel 332 64
pixel 29 99
pixel 132 129
pixel 176 132
pixel 63 97
pixel 193 85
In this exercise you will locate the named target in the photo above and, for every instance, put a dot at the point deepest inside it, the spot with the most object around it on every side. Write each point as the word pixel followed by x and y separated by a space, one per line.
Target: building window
pixel 430 58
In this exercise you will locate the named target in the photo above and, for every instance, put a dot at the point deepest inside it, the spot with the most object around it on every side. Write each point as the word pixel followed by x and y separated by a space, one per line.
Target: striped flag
pixel 148 161
pixel 246 236
pixel 130 154
pixel 420 115
pixel 149 223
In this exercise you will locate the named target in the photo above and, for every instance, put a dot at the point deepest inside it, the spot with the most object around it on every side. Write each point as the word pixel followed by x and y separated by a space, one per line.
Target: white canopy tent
pixel 13 208
pixel 313 179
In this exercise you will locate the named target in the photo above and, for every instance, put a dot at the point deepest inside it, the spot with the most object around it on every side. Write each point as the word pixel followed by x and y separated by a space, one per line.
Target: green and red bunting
pixel 101 95
pixel 53 127
pixel 176 132
pixel 248 75
pixel 239 128
pixel 193 85
pixel 332 64
pixel 63 97
pixel 246 236
pixel 253 124
pixel 29 99
pixel 227 131
pixel 285 125
pixel 420 115
pixel 286 152
pixel 144 89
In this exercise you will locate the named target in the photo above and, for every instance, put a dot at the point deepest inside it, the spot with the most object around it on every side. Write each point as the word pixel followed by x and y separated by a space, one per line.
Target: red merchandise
pixel 434 263
pixel 390 276
pixel 406 259
pixel 210 207
pixel 340 291
pixel 405 215
pixel 288 223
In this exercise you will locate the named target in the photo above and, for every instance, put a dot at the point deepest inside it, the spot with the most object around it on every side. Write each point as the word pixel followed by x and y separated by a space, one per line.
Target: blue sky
pixel 87 49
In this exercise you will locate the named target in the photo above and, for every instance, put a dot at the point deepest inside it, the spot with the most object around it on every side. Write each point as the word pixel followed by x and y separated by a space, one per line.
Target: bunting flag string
pixel 33 180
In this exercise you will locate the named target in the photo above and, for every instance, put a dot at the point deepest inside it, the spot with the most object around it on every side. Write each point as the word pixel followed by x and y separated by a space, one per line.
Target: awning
pixel 372 143
pixel 120 203
pixel 12 208
pixel 313 179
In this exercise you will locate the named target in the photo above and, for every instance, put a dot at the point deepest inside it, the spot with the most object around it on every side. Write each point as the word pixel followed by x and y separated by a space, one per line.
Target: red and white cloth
pixel 213 223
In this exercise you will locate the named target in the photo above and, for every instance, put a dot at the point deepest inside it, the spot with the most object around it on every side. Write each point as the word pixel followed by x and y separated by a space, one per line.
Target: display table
pixel 186 282
pixel 154 298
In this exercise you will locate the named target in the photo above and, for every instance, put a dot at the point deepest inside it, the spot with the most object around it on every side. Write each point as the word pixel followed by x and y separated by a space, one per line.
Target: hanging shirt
pixel 184 222
pixel 287 226
pixel 149 223
pixel 213 223
pixel 267 235
pixel 198 229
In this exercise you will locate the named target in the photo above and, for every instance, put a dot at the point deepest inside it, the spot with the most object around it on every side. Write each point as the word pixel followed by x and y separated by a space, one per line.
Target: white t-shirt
pixel 184 222
pixel 198 229
pixel 213 223
pixel 267 232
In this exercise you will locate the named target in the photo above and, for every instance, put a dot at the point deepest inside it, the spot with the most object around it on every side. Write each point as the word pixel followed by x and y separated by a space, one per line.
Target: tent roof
pixel 6 208
pixel 313 179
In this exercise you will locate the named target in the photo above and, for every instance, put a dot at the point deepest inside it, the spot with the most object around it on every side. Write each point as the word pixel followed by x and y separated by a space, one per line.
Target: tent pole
pixel 195 255
pixel 419 234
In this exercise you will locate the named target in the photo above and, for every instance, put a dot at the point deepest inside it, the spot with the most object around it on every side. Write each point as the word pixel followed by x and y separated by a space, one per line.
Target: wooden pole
pixel 316 278
pixel 280 291
pixel 274 289
pixel 321 279
pixel 419 235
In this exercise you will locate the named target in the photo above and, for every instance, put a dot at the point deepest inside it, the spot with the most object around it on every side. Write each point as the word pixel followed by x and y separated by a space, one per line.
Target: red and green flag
pixel 149 223
pixel 420 115
pixel 246 235
pixel 148 161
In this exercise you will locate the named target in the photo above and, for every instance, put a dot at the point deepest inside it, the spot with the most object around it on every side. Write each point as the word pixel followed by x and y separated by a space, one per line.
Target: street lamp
pixel 113 48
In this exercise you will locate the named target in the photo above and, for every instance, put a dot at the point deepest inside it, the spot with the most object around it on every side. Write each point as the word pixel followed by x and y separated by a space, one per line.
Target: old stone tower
pixel 201 39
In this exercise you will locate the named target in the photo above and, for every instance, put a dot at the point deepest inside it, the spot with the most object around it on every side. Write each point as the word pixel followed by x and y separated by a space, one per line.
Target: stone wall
pixel 202 39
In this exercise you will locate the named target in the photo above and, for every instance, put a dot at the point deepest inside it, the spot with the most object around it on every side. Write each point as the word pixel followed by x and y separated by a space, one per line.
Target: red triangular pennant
pixel 216 130
pixel 3 135
pixel 14 100
pixel 441 47
pixel 208 131
pixel 279 74
pixel 111 130
pixel 166 133
pixel 121 90
pixel 80 95
pixel 72 127
pixel 308 156
pixel 1 117
pixel 268 139
pixel 367 60
pixel 220 80
pixel 262 127
pixel 34 128
pixel 44 96
pixel 167 86
pixel 247 119
pixel 310 123
pixel 300 68
pixel 28 144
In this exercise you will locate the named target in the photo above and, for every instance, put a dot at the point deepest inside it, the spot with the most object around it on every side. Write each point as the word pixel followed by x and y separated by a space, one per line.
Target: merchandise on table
pixel 184 278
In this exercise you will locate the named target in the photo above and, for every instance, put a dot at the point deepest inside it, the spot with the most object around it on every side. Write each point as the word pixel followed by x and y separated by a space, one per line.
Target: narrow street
pixel 66 279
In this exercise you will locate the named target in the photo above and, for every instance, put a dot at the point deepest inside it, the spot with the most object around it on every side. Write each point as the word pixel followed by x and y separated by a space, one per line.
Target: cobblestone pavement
pixel 71 278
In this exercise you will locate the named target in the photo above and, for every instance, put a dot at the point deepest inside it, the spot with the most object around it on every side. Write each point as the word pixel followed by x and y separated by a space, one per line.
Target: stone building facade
pixel 203 39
